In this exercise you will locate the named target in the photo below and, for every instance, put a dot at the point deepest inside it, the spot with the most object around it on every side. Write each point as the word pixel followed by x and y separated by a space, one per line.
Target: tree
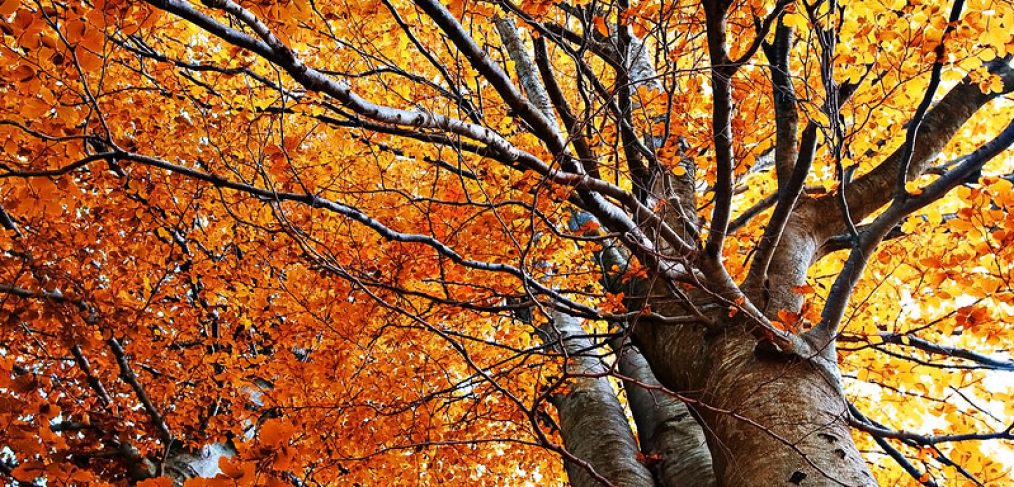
pixel 612 243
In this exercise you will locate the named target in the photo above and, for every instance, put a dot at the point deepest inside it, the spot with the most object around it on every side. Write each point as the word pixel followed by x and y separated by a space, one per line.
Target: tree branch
pixel 876 188
pixel 841 290
pixel 892 451
pixel 593 424
pixel 762 31
pixel 721 74
pixel 127 375
pixel 787 197
pixel 525 68
pixel 784 93
pixel 927 346
pixel 314 80
pixel 542 127
pixel 570 122
pixel 908 149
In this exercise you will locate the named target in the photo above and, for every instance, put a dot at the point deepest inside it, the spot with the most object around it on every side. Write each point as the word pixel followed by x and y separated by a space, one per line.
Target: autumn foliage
pixel 329 243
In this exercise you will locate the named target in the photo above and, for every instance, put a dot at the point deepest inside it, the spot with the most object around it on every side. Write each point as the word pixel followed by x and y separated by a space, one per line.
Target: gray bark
pixel 772 420
pixel 666 427
pixel 769 418
pixel 184 465
pixel 668 433
pixel 766 418
pixel 664 424
pixel 527 73
pixel 592 421
pixel 816 221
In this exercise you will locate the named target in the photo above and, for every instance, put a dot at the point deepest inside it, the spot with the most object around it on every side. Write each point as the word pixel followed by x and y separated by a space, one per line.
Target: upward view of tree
pixel 627 242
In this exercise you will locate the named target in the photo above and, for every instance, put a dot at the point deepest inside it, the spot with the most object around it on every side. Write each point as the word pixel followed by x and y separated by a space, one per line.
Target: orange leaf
pixel 274 432
pixel 156 482
pixel 28 471
pixel 600 25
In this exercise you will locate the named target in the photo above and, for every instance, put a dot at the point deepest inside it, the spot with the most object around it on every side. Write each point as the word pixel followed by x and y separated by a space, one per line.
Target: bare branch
pixel 948 351
pixel 721 73
pixel 542 127
pixel 784 93
pixel 892 451
pixel 127 375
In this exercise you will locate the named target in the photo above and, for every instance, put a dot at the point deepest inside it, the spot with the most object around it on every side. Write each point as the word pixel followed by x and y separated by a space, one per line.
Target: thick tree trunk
pixel 804 438
pixel 770 420
pixel 777 420
pixel 592 422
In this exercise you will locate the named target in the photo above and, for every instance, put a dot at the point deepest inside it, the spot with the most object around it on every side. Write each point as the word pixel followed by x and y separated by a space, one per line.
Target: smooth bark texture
pixel 592 395
pixel 671 440
pixel 720 395
pixel 203 463
pixel 592 422
pixel 766 417
pixel 524 67
pixel 669 435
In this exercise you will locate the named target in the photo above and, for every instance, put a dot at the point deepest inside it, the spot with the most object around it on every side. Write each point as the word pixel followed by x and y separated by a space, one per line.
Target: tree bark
pixel 769 420
pixel 592 422
pixel 524 67
pixel 669 435
pixel 184 464
pixel 817 220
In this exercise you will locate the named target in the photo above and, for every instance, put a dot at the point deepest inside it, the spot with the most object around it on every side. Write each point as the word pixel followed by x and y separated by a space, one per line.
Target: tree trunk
pixel 805 437
pixel 185 464
pixel 592 422
pixel 669 435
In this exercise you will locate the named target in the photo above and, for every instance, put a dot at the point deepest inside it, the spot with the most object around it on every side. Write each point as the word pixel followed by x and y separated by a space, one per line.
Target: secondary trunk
pixel 670 437
pixel 592 422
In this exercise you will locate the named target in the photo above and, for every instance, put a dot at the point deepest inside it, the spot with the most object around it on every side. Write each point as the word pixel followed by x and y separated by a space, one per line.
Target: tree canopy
pixel 635 242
